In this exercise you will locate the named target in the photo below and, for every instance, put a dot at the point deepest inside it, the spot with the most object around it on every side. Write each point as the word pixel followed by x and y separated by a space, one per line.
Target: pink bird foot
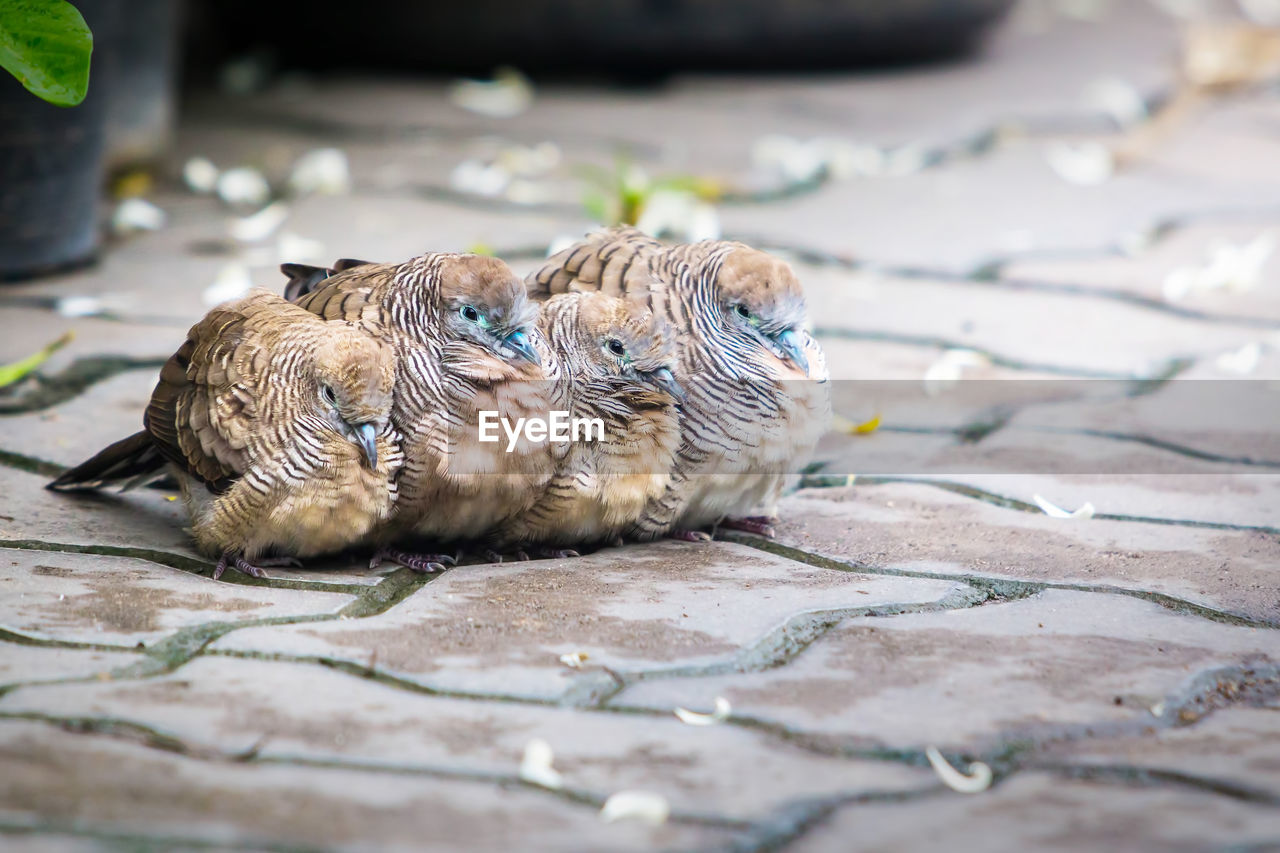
pixel 423 563
pixel 761 525
pixel 690 535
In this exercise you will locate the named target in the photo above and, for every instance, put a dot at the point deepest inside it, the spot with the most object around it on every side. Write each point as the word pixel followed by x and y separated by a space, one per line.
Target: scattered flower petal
pixel 1054 511
pixel 1242 361
pixel 474 176
pixel 636 805
pixel 867 427
pixel 1157 710
pixel 679 213
pixel 1087 164
pixel 79 306
pixel 324 171
pixel 508 94
pixel 536 767
pixel 978 780
pixel 719 715
pixel 949 368
pixel 1230 267
pixel 1118 99
pixel 574 660
pixel 261 225
pixel 232 283
pixel 200 175
pixel 137 214
pixel 243 185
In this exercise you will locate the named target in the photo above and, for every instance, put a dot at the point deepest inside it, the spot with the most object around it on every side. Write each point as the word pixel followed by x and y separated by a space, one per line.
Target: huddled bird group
pixel 362 409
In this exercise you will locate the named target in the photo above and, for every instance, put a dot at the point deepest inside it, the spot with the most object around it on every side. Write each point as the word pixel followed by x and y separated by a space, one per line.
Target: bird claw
pixel 761 525
pixel 241 565
pixel 422 563
pixel 557 553
pixel 690 535
pixel 492 556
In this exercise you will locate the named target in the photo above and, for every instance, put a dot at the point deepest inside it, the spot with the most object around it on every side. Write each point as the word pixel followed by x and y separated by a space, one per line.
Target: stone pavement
pixel 1119 675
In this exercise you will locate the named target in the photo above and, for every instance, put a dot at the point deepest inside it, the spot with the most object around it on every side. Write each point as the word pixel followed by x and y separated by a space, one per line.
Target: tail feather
pixel 135 459
pixel 305 278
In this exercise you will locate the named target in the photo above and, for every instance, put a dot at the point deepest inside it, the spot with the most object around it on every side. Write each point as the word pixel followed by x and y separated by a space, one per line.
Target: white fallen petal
pixel 233 281
pixel 1055 511
pixel 949 368
pixel 704 223
pixel 1242 361
pixel 200 175
pixel 906 160
pixel 1228 267
pixel 78 306
pixel 1118 99
pixel 474 176
pixel 574 660
pixel 291 248
pixel 137 214
pixel 719 715
pixel 261 225
pixel 1087 164
pixel 978 780
pixel 536 766
pixel 508 94
pixel 644 806
pixel 243 185
pixel 323 170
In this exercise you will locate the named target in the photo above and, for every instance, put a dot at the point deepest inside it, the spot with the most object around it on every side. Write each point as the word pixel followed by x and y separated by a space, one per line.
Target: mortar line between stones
pixel 72 381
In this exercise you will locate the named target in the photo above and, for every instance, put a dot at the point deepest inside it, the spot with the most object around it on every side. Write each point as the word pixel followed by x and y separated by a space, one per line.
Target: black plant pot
pixel 50 174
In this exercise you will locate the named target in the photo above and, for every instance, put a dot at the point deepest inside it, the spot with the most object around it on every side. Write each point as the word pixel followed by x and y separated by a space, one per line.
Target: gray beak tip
pixel 519 341
pixel 666 380
pixel 366 438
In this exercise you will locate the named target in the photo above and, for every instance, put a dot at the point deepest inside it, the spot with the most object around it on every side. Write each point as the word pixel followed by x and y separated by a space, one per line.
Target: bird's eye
pixel 470 314
pixel 329 396
pixel 616 347
pixel 742 311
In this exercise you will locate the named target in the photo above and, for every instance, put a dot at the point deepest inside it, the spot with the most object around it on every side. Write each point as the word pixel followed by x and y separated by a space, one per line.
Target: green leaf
pixel 46 45
pixel 11 373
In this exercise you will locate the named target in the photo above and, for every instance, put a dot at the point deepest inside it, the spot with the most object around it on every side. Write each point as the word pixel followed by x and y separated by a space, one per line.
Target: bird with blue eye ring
pixel 517 340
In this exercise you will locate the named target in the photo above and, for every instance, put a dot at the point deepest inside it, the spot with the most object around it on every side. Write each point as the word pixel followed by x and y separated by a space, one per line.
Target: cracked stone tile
pixel 32 663
pixel 103 786
pixel 501 629
pixel 1237 498
pixel 982 210
pixel 72 432
pixel 982 678
pixel 1032 328
pixel 1036 811
pixel 1236 746
pixel 98 599
pixel 232 704
pixel 28 328
pixel 915 526
pixel 141 518
pixel 1191 246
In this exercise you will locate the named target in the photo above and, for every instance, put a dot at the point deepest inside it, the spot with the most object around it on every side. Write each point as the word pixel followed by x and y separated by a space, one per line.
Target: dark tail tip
pixel 129 458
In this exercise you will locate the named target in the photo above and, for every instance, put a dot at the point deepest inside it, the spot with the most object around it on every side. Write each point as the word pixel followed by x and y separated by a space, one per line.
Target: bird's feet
pixel 761 525
pixel 557 553
pixel 492 556
pixel 690 535
pixel 424 563
pixel 245 567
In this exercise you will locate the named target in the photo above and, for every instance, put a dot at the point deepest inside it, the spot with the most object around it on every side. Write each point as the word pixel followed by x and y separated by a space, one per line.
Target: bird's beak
pixel 789 341
pixel 663 378
pixel 365 437
pixel 519 341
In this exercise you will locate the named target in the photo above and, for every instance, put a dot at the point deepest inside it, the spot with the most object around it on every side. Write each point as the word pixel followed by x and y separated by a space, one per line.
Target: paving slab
pixel 104 787
pixel 231 705
pixel 24 663
pixel 1043 812
pixel 1060 664
pixel 922 528
pixel 501 629
pixel 91 598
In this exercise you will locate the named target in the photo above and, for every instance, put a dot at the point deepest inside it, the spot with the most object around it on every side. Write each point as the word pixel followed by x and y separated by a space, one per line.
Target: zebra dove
pixel 618 361
pixel 466 340
pixel 756 398
pixel 276 424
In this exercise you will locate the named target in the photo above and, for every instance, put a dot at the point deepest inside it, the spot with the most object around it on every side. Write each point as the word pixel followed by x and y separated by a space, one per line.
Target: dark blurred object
pixel 135 64
pixel 50 172
pixel 630 37
pixel 52 158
